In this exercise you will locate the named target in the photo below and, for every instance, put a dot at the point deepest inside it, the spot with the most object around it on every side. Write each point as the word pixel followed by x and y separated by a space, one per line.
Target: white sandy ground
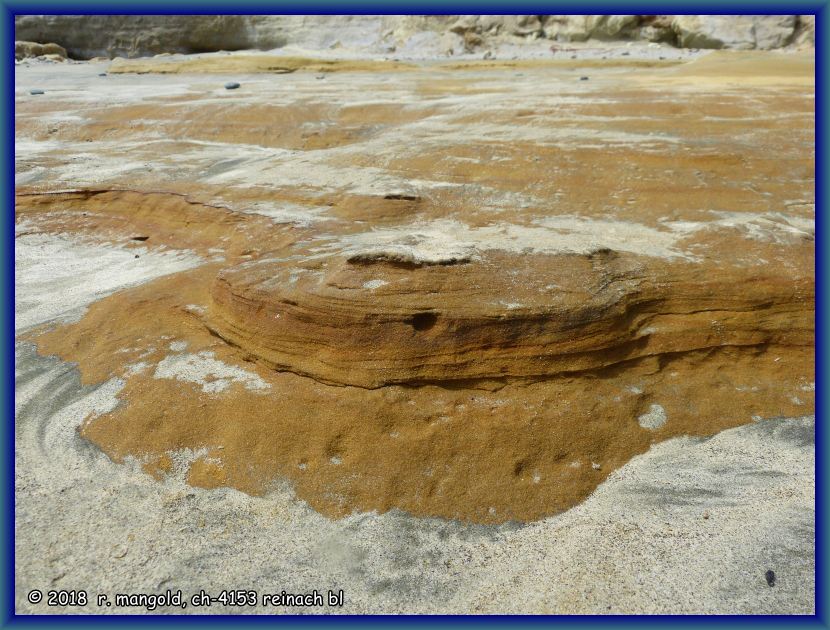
pixel 54 280
pixel 202 368
pixel 690 527
pixel 447 240
pixel 654 418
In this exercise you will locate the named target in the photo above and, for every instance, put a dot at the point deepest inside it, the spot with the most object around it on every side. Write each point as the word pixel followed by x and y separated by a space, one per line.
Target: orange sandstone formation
pixel 370 323
pixel 474 306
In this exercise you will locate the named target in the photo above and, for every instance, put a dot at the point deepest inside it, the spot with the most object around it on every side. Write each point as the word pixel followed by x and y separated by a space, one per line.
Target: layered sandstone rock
pixel 468 290
pixel 374 319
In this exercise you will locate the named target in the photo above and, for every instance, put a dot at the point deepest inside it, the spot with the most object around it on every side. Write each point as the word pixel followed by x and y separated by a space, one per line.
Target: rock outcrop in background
pixel 28 50
pixel 87 36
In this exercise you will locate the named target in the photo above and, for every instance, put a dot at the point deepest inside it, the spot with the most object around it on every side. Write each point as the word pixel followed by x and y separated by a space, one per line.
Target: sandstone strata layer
pixel 373 320
pixel 470 291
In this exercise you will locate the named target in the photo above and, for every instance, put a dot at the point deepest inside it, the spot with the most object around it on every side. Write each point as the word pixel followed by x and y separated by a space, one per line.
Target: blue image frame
pixel 155 7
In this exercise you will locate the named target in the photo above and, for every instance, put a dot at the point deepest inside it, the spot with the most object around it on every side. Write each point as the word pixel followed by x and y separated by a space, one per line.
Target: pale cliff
pixel 87 36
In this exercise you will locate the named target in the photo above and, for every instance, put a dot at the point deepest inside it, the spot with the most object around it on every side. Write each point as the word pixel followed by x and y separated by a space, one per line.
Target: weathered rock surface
pixel 87 36
pixel 805 35
pixel 468 290
pixel 381 319
pixel 745 32
pixel 27 50
pixel 653 224
pixel 131 36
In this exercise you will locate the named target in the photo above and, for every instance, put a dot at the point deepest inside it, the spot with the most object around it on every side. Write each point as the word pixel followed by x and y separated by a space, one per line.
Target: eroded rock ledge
pixel 352 322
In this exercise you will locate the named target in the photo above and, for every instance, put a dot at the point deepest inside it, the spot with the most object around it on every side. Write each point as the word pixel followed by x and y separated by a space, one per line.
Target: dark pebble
pixel 770 576
pixel 232 85
pixel 36 92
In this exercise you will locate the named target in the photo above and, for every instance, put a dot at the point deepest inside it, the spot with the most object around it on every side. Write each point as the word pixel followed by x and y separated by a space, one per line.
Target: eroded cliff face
pixel 468 291
pixel 87 36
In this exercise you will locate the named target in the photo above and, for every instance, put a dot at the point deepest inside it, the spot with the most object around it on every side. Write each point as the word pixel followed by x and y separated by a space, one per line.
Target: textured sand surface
pixel 690 527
